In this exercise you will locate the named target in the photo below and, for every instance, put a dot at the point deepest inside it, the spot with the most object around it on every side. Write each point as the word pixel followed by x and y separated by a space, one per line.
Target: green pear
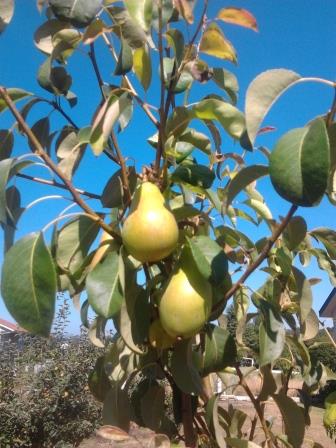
pixel 185 304
pixel 150 232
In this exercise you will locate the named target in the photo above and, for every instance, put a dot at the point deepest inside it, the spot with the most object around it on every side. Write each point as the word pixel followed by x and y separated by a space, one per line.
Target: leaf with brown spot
pixel 238 16
pixel 214 43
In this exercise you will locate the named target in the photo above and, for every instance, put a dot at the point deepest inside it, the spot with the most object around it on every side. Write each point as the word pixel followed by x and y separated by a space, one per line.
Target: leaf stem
pixel 50 163
pixel 262 256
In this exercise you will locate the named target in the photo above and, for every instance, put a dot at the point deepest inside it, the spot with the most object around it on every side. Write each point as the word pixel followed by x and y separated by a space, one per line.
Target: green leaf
pixel 69 151
pixel 295 232
pixel 304 293
pixel 134 316
pixel 271 335
pixel 241 180
pixel 212 420
pixel 299 164
pixel 195 175
pixel 79 13
pixel 142 66
pixel 293 416
pixel 214 43
pixel 103 287
pixel 229 117
pixel 15 95
pixel 210 258
pixel 220 350
pixel 116 409
pixel 153 407
pixel 176 40
pixel 325 263
pixel 126 27
pixel 6 143
pixel 73 242
pixel 167 12
pixel 197 139
pixel 113 194
pixel 262 93
pixel 328 238
pixel 6 13
pixel 5 169
pixel 140 11
pixel 226 81
pixel 269 386
pixel 106 118
pixel 125 59
pixel 28 284
pixel 310 327
pixel 178 122
pixel 185 373
pixel 41 130
pixel 13 200
pixel 98 381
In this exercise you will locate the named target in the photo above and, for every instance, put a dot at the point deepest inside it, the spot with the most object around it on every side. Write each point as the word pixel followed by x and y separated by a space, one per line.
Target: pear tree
pixel 159 253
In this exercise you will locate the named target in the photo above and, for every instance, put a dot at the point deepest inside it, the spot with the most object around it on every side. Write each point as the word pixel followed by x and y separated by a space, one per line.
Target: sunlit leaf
pixel 68 150
pixel 304 293
pixel 229 117
pixel 142 66
pixel 125 59
pixel 195 175
pixel 125 26
pixel 310 327
pixel 295 232
pixel 262 93
pixel 93 31
pixel 241 180
pixel 6 13
pixel 176 40
pixel 140 11
pixel 15 95
pixel 226 81
pixel 185 8
pixel 28 284
pixel 44 34
pixel 271 335
pixel 214 43
pixel 328 238
pixel 299 164
pixel 238 16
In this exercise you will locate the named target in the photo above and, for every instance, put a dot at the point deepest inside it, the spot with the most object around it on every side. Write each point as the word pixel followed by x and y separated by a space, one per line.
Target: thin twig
pixel 53 183
pixel 50 163
pixel 256 404
pixel 262 256
pixel 163 115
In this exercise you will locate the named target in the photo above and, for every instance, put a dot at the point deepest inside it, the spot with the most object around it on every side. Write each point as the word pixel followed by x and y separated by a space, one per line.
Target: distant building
pixel 328 309
pixel 9 331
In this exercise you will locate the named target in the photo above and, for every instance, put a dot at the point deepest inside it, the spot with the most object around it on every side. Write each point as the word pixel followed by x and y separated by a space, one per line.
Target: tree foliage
pixel 207 190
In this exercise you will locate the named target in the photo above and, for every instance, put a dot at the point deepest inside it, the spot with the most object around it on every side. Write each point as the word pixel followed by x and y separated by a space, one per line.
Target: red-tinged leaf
pixel 266 129
pixel 238 16
pixel 214 43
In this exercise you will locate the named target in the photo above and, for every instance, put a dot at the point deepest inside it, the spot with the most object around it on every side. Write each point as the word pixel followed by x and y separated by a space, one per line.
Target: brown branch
pixel 187 420
pixel 53 183
pixel 262 256
pixel 50 163
pixel 124 177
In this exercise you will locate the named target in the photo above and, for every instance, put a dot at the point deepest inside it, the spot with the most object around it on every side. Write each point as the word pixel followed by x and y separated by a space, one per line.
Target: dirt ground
pixel 316 431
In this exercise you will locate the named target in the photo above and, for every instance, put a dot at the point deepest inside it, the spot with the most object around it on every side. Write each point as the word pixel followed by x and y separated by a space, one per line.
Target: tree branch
pixel 53 183
pixel 50 163
pixel 262 256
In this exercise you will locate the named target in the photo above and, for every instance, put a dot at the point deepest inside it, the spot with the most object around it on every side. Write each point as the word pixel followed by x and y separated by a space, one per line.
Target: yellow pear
pixel 158 337
pixel 185 305
pixel 150 232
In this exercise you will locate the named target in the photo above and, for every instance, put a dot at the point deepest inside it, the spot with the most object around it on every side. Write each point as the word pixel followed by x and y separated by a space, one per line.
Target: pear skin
pixel 186 303
pixel 150 232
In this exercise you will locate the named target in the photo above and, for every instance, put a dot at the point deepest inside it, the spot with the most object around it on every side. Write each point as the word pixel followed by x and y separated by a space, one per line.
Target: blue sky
pixel 298 35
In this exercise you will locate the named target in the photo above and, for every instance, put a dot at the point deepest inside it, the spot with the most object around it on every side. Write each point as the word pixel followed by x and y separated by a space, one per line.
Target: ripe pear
pixel 185 305
pixel 150 232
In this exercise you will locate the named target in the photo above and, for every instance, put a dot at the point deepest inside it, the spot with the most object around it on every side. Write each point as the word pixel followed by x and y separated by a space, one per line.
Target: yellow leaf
pixel 238 16
pixel 142 66
pixel 105 244
pixel 185 9
pixel 93 31
pixel 215 44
